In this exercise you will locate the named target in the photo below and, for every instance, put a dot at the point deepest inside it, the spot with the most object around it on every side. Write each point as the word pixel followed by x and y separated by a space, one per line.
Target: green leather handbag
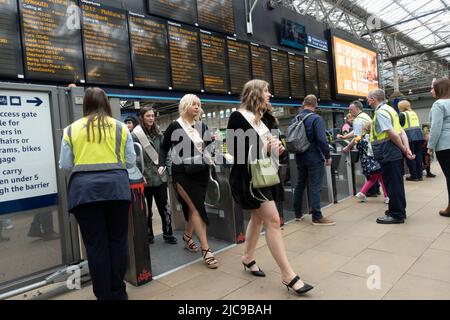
pixel 264 174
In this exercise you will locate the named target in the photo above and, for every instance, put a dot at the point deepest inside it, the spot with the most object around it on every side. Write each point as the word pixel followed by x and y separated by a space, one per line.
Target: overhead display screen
pixel 356 68
pixel 239 64
pixel 179 10
pixel 297 75
pixel 149 51
pixel 10 49
pixel 216 15
pixel 184 57
pixel 261 63
pixel 52 40
pixel 312 86
pixel 324 80
pixel 280 72
pixel 215 73
pixel 106 44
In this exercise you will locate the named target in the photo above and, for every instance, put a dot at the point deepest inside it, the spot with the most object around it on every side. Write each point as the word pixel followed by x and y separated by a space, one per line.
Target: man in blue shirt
pixel 310 164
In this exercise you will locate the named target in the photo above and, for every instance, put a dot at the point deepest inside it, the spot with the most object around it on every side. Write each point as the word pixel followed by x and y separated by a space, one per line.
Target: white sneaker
pixel 361 196
pixel 386 200
pixel 6 224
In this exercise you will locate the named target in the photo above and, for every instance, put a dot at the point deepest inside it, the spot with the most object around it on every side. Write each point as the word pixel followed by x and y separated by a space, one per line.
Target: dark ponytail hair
pixel 96 108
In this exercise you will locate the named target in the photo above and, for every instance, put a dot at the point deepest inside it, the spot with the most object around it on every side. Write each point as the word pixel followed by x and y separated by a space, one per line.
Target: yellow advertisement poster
pixel 356 68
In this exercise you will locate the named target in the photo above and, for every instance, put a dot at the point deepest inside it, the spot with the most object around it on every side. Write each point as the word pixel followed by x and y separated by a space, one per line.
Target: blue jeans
pixel 313 176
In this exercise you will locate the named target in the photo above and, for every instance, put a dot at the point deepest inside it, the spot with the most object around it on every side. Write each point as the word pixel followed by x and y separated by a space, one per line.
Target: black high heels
pixel 257 273
pixel 306 287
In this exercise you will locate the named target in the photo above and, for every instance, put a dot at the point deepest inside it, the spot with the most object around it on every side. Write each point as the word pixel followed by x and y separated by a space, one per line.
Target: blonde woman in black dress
pixel 189 137
pixel 249 121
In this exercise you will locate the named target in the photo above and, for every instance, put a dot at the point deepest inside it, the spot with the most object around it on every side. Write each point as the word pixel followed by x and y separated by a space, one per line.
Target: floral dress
pixel 368 162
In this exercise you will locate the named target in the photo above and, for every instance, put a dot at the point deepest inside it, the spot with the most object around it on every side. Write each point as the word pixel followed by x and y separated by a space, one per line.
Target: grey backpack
pixel 296 139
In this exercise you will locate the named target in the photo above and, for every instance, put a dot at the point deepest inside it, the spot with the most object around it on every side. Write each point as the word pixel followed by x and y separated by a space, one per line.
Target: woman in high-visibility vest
pixel 98 149
pixel 411 124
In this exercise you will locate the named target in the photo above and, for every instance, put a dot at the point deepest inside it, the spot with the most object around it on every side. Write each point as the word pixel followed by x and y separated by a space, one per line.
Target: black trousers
pixel 444 161
pixel 104 228
pixel 392 173
pixel 415 166
pixel 160 195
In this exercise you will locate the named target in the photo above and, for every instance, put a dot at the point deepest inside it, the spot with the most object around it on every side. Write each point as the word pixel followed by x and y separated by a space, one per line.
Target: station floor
pixel 411 256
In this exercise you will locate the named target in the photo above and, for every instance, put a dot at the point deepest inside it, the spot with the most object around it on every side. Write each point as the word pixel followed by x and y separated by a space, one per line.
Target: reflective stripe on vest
pixel 375 136
pixel 411 120
pixel 109 154
pixel 364 117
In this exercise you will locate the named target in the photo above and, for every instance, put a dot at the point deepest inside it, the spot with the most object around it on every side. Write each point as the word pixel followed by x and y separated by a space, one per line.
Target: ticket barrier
pixel 225 223
pixel 342 172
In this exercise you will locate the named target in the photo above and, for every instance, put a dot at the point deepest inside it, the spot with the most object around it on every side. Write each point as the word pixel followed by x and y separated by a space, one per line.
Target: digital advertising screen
pixel 149 51
pixel 52 40
pixel 293 35
pixel 10 48
pixel 356 68
pixel 106 44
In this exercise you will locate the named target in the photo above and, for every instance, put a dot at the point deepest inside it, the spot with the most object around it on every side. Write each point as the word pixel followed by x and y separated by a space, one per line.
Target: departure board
pixel 52 40
pixel 261 63
pixel 184 57
pixel 297 75
pixel 10 48
pixel 324 80
pixel 179 10
pixel 215 72
pixel 312 86
pixel 149 51
pixel 216 15
pixel 106 44
pixel 280 73
pixel 239 64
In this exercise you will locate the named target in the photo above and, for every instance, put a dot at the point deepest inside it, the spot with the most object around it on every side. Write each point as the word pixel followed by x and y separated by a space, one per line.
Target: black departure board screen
pixel 215 72
pixel 239 64
pixel 297 75
pixel 106 44
pixel 184 57
pixel 280 73
pixel 52 40
pixel 324 80
pixel 149 51
pixel 10 49
pixel 261 63
pixel 312 86
pixel 179 10
pixel 216 15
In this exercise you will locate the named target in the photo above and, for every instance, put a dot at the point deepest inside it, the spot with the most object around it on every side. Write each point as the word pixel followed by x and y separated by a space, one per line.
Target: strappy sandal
pixel 300 291
pixel 211 262
pixel 189 244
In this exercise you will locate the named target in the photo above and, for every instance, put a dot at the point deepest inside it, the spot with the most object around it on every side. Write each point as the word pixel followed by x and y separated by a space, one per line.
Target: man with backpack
pixel 310 155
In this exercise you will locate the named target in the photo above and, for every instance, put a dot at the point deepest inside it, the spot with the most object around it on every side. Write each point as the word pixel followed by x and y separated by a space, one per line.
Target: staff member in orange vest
pixel 98 149
pixel 410 123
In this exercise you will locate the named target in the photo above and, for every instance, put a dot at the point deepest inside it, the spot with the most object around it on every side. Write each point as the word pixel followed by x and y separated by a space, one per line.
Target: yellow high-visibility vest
pixel 108 154
pixel 411 120
pixel 380 137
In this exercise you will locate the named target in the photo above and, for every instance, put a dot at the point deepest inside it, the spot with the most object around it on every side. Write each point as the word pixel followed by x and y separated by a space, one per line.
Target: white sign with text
pixel 27 159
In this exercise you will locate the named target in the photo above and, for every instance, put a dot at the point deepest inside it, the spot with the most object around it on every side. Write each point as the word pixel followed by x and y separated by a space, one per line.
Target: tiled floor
pixel 337 260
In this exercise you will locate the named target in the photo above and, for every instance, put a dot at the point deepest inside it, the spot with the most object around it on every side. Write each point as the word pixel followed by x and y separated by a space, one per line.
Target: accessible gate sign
pixel 27 158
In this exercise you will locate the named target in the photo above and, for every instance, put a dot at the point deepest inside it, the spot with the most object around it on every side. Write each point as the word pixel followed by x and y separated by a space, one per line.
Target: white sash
pixel 145 143
pixel 196 139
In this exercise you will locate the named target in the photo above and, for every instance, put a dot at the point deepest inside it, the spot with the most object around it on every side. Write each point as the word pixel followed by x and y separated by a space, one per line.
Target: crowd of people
pixel 98 150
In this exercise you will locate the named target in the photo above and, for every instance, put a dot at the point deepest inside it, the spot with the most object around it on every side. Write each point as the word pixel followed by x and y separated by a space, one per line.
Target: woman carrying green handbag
pixel 254 179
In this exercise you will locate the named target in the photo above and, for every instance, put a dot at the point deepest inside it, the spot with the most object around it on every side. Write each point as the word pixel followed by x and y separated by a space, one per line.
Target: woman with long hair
pixel 256 140
pixel 148 134
pixel 189 137
pixel 440 131
pixel 98 149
